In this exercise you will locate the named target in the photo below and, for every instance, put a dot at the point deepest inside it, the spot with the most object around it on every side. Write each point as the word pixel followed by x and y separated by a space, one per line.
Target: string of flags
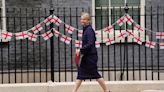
pixel 31 34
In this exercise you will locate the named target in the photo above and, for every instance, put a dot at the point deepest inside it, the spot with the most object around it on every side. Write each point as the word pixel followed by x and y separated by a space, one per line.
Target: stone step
pixel 153 91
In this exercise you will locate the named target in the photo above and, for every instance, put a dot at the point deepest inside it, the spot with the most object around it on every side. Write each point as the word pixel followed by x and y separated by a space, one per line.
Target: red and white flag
pixel 122 34
pixel 65 39
pixel 97 32
pixel 7 35
pixel 161 45
pixel 130 33
pixel 109 41
pixel 21 35
pixel 37 28
pixel 78 43
pixel 121 21
pixel 48 21
pixel 80 33
pixel 32 37
pixel 108 29
pixel 97 44
pixel 150 44
pixel 56 33
pixel 159 35
pixel 56 20
pixel 138 40
pixel 138 28
pixel 47 35
pixel 128 19
pixel 69 29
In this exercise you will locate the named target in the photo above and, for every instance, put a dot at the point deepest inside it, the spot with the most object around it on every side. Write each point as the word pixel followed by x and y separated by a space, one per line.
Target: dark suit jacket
pixel 88 41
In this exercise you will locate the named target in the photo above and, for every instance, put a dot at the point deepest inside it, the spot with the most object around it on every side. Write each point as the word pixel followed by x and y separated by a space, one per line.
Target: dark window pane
pixel 121 2
pixel 102 18
pixel 100 3
pixel 116 12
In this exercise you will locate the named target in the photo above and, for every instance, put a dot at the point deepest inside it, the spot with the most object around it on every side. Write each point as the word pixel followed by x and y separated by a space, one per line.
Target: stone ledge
pixel 114 86
pixel 153 91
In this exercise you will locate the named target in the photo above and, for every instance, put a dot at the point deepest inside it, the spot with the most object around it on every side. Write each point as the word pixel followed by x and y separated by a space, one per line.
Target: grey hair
pixel 85 14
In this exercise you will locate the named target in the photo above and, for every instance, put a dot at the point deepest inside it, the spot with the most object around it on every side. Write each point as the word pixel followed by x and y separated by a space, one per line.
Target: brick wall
pixel 65 50
pixel 27 54
pixel 46 4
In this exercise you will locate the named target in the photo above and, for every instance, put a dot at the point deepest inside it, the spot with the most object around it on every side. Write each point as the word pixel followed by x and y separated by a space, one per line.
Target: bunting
pixel 159 35
pixel 7 35
pixel 56 20
pixel 68 28
pixel 37 28
pixel 21 35
pixel 47 35
pixel 32 37
pixel 65 39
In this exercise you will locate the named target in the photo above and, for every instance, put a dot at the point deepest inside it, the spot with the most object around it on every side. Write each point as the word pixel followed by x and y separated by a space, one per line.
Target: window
pixel 107 12
pixel 2 17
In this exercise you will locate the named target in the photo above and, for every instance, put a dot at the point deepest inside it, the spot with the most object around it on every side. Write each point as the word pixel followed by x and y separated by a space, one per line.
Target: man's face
pixel 84 21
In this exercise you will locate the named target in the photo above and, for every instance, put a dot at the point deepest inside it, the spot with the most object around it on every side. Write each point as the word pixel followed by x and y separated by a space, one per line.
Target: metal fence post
pixel 125 49
pixel 52 48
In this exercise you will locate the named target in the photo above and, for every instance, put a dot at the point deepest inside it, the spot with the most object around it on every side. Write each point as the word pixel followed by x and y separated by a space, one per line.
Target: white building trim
pixel 3 7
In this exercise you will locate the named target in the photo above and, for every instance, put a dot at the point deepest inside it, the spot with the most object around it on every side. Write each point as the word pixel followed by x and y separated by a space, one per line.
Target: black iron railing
pixel 26 61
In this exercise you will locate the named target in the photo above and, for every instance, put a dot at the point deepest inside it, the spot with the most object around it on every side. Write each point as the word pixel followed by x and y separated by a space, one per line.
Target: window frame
pixel 142 18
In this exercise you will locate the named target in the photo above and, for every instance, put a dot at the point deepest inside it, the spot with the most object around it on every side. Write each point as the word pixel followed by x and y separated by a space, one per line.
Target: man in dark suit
pixel 88 66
